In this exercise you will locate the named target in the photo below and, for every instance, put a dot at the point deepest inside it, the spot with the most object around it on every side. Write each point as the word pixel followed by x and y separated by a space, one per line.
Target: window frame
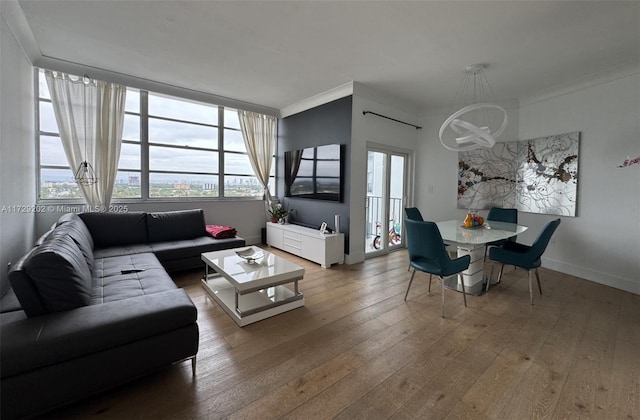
pixel 145 144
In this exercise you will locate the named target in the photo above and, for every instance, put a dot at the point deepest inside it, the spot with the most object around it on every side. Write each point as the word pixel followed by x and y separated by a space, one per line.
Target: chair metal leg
pixel 538 278
pixel 410 281
pixel 430 282
pixel 464 294
pixel 530 288
pixel 500 273
pixel 489 279
pixel 442 292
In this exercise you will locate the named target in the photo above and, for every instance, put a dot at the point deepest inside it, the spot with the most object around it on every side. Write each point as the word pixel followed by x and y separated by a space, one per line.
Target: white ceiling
pixel 276 54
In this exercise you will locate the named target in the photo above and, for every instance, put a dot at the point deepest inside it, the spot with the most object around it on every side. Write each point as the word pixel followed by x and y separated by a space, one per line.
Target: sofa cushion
pixel 175 225
pixel 9 302
pixel 118 251
pixel 60 274
pixel 119 278
pixel 116 229
pixel 45 235
pixel 70 224
pixel 9 317
pixel 25 289
pixel 44 341
pixel 193 247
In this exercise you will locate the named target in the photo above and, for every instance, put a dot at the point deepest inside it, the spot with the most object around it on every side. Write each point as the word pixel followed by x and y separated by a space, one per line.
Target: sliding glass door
pixel 386 196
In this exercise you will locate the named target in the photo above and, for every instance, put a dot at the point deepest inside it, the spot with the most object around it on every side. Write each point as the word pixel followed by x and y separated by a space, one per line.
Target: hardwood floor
pixel 358 350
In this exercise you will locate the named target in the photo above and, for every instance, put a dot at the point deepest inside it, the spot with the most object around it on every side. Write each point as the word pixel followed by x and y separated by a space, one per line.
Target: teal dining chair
pixel 499 214
pixel 413 213
pixel 428 254
pixel 525 256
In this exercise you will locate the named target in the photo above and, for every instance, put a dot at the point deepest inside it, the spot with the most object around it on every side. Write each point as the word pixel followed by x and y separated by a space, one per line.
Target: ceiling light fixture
pixel 472 125
pixel 85 175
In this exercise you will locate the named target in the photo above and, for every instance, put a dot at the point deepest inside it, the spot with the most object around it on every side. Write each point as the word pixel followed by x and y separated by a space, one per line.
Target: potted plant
pixel 278 213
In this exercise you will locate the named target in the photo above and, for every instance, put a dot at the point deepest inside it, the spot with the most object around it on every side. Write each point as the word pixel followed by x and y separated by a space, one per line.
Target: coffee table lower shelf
pixel 254 306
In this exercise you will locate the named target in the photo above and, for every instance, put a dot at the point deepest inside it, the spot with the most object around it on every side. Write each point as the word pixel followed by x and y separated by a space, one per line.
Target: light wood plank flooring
pixel 358 350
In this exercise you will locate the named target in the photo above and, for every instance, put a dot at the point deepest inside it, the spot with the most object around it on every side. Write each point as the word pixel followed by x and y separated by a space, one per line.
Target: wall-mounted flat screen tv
pixel 315 172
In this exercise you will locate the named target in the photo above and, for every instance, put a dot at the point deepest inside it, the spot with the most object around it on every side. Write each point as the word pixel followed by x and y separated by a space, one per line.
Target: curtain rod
pixel 392 119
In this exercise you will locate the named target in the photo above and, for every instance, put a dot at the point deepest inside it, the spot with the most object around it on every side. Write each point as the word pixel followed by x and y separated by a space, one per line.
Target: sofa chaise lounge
pixel 92 306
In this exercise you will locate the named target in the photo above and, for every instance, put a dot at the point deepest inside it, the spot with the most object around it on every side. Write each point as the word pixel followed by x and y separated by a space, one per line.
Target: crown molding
pixel 317 100
pixel 367 92
pixel 604 76
pixel 12 14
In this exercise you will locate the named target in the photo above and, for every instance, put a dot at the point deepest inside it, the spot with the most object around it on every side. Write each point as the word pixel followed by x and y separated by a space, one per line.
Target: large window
pixel 171 148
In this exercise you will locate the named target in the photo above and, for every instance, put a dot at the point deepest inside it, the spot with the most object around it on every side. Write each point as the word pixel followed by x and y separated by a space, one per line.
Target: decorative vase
pixel 281 220
pixel 274 219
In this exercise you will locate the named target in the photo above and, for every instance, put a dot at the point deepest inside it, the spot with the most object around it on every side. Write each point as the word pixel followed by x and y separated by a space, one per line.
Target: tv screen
pixel 315 172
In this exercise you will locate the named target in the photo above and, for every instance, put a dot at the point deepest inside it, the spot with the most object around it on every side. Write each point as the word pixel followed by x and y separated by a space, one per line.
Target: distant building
pixel 134 180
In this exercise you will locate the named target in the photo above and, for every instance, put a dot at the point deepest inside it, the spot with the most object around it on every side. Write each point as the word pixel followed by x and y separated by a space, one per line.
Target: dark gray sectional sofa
pixel 92 306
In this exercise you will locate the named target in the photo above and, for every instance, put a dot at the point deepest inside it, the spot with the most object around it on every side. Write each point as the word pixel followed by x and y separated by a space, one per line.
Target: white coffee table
pixel 251 292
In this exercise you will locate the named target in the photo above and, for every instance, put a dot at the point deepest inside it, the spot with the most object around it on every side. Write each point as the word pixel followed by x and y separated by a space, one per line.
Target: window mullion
pixel 36 82
pixel 144 144
pixel 221 168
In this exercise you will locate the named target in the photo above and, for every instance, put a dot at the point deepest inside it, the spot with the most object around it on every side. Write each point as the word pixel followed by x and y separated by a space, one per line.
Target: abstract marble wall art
pixel 534 176
pixel 547 177
pixel 487 177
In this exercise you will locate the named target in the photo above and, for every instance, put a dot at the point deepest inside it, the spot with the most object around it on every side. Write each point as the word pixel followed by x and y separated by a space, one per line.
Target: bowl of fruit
pixel 473 221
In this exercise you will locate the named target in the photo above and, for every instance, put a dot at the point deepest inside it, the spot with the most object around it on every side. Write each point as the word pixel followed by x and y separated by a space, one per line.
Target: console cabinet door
pixel 314 249
pixel 274 236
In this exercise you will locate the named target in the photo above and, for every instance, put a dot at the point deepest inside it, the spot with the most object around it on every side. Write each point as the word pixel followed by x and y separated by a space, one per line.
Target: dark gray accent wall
pixel 329 123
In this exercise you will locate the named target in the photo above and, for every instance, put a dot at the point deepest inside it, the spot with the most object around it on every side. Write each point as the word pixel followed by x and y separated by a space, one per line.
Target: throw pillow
pixel 175 225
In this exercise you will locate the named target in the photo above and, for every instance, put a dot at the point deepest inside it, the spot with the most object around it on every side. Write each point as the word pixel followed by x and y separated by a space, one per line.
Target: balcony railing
pixel 375 216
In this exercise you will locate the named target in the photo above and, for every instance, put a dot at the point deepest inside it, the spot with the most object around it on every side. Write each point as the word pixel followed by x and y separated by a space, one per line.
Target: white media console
pixel 325 249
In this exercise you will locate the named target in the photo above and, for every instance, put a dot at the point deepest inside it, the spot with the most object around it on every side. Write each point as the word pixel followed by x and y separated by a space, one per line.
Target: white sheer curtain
pixel 259 133
pixel 90 117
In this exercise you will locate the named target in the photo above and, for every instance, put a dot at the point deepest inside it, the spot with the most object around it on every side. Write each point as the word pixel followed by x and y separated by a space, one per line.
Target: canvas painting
pixel 535 176
pixel 487 177
pixel 547 179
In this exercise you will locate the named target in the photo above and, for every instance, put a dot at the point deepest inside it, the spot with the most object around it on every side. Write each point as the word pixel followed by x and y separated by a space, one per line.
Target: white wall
pixel 602 243
pixel 17 149
pixel 366 130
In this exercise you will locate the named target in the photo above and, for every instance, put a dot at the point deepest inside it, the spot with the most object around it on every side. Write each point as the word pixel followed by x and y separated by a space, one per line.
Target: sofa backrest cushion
pixel 45 235
pixel 60 274
pixel 25 289
pixel 116 229
pixel 175 225
pixel 70 224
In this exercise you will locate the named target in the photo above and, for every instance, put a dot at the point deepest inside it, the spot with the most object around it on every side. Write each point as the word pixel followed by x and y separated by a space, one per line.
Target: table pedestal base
pixel 474 278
